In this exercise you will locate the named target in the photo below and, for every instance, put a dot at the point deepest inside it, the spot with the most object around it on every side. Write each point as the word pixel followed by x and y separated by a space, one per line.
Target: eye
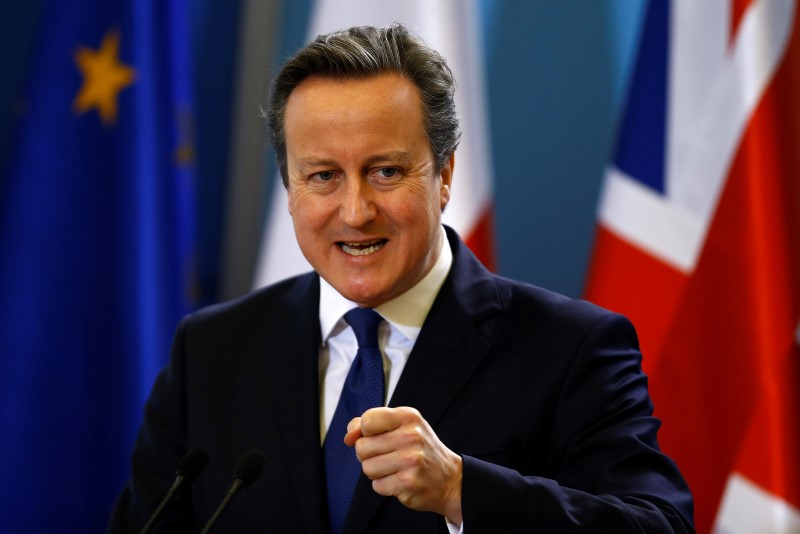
pixel 386 176
pixel 323 176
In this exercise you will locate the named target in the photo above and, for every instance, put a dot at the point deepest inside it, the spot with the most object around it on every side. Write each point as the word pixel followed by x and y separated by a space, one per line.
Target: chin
pixel 365 298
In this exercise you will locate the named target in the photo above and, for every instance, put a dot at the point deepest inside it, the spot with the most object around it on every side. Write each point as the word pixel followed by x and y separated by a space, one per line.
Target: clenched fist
pixel 404 458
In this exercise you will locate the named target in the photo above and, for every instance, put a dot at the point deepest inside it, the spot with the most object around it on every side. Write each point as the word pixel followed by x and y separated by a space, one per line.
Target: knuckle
pixel 361 449
pixel 380 487
pixel 413 437
pixel 410 413
pixel 405 479
pixel 369 469
pixel 414 460
pixel 366 419
pixel 353 424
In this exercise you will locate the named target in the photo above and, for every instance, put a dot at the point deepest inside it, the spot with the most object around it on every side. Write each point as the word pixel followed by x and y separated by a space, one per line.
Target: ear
pixel 446 177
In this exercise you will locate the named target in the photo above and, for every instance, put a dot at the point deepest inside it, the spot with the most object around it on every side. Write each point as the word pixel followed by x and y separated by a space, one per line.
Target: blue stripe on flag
pixel 641 145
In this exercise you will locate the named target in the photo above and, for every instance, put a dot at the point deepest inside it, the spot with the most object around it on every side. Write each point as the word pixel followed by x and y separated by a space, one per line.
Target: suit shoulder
pixel 547 305
pixel 559 324
pixel 259 304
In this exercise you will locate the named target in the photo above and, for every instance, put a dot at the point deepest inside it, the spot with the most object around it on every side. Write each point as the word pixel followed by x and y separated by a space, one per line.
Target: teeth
pixel 362 249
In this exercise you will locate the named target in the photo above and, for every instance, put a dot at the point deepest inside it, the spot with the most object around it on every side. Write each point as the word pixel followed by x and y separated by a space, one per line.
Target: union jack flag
pixel 698 241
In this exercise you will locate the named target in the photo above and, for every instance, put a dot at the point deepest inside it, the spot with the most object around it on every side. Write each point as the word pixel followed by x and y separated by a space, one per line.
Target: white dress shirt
pixel 403 319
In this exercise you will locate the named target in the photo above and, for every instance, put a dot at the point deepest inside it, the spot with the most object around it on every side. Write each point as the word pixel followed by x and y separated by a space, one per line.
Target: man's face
pixel 364 194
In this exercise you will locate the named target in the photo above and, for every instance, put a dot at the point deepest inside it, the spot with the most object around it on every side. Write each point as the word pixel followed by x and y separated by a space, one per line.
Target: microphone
pixel 247 472
pixel 191 465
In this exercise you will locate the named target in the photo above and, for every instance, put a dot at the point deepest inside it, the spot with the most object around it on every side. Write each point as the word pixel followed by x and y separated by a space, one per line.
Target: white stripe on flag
pixel 650 222
pixel 714 88
pixel 748 509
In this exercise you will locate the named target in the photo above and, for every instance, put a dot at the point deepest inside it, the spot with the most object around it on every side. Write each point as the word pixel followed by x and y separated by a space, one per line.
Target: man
pixel 510 408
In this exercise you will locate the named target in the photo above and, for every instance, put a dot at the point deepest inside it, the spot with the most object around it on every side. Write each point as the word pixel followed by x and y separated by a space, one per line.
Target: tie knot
pixel 364 322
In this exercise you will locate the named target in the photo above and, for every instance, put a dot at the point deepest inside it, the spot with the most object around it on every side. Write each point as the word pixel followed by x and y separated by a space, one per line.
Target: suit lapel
pixel 293 378
pixel 449 349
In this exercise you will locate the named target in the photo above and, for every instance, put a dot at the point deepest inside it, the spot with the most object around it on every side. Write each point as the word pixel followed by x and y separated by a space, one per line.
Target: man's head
pixel 364 52
pixel 365 129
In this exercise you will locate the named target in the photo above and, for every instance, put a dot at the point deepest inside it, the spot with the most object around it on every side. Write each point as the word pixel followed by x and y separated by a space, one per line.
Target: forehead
pixel 373 94
pixel 359 113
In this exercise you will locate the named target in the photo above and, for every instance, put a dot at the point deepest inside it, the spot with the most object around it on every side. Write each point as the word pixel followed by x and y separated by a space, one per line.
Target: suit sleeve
pixel 159 447
pixel 605 471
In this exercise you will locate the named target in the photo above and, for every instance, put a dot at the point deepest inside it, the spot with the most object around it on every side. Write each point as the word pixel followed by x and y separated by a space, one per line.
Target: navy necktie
pixel 363 389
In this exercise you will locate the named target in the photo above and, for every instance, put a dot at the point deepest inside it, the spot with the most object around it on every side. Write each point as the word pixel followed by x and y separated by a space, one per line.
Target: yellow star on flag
pixel 103 78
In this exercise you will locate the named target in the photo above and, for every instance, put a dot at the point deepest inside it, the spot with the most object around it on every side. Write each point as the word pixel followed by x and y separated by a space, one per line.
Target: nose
pixel 357 205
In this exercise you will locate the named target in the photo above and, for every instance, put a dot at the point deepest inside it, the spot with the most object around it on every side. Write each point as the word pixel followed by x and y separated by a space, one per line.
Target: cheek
pixel 306 210
pixel 424 200
pixel 413 212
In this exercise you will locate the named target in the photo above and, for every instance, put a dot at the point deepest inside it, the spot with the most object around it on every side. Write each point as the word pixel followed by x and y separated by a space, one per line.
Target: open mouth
pixel 362 249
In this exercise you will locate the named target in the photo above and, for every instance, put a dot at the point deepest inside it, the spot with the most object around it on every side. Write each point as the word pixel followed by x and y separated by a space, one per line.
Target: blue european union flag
pixel 96 253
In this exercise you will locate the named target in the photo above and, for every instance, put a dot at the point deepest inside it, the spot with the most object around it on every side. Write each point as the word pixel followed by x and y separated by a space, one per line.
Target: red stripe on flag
pixel 481 239
pixel 625 279
pixel 738 9
pixel 727 384
pixel 771 147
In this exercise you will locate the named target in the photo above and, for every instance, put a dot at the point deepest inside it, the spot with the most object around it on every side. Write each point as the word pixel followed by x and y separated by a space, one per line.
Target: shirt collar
pixel 406 313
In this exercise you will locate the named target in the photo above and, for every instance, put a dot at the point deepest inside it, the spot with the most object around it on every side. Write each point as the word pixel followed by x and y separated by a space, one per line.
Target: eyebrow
pixel 399 156
pixel 304 163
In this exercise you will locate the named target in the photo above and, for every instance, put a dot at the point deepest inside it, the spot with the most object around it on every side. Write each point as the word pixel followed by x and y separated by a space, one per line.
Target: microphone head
pixel 250 467
pixel 192 464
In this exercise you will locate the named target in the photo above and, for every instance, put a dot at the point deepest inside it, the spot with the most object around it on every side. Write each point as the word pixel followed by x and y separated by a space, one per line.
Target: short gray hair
pixel 363 52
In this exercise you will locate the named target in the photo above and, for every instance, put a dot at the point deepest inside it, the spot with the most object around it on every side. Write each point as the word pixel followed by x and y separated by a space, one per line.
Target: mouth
pixel 361 249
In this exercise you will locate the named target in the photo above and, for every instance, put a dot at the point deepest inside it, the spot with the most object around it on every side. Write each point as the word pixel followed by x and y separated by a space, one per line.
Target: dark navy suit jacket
pixel 542 395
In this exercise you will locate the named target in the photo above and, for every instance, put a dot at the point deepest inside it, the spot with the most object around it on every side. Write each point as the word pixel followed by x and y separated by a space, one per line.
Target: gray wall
pixel 557 74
